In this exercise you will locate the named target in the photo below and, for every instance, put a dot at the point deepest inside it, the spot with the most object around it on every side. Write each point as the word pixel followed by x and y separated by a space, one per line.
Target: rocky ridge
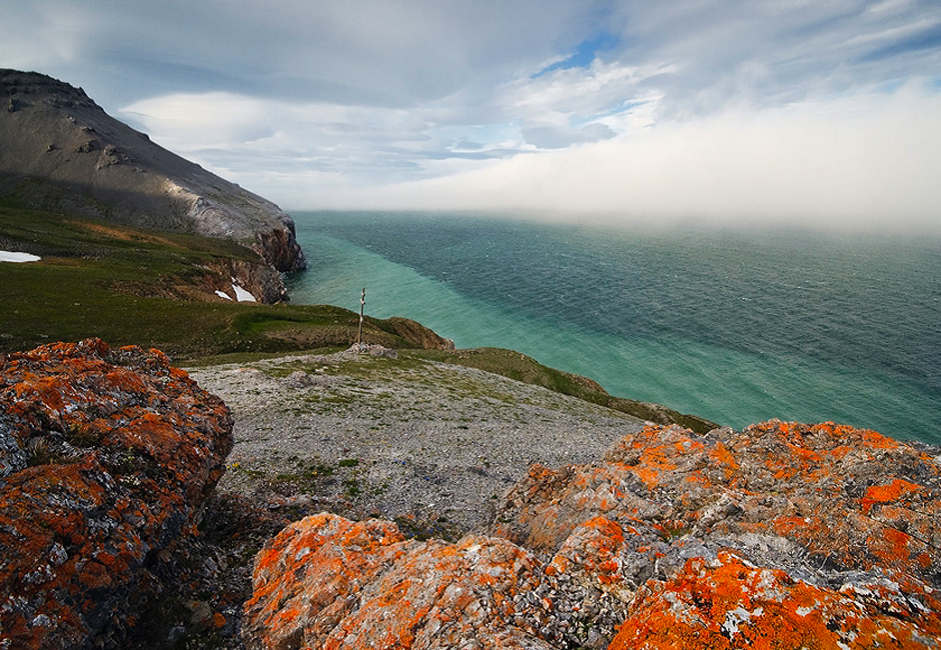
pixel 783 535
pixel 59 151
pixel 779 536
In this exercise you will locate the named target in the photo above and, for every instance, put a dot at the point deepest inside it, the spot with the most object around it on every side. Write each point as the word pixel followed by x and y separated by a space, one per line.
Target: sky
pixel 824 113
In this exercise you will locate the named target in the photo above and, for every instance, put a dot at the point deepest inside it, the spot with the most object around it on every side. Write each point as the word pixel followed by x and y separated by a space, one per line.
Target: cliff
pixel 59 151
pixel 106 457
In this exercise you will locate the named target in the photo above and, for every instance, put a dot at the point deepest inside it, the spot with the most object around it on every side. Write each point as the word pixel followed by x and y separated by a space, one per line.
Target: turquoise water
pixel 735 327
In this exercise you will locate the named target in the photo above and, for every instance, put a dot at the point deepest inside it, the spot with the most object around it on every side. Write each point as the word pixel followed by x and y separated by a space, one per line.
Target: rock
pixel 374 350
pixel 107 458
pixel 823 506
pixel 731 603
pixel 159 191
pixel 329 582
pixel 783 535
pixel 418 334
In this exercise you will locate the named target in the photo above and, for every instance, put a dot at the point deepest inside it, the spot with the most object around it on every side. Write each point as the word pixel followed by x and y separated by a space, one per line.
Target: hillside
pixel 60 152
pixel 379 500
pixel 170 290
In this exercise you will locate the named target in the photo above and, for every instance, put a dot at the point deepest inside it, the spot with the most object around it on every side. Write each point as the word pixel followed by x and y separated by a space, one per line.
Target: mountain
pixel 60 151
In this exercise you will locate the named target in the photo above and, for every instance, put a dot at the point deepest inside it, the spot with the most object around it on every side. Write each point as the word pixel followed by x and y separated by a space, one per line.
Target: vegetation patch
pixel 130 286
pixel 520 367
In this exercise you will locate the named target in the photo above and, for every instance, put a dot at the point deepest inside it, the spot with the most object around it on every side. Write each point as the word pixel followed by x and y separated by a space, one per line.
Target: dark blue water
pixel 736 327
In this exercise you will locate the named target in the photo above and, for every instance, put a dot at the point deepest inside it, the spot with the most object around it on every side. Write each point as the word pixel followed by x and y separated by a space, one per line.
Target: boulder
pixel 783 535
pixel 327 582
pixel 106 457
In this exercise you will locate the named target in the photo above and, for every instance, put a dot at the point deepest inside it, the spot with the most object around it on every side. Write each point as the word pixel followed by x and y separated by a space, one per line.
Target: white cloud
pixel 691 106
pixel 862 161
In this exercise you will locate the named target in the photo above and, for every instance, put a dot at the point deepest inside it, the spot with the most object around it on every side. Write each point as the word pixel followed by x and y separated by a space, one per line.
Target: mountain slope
pixel 60 151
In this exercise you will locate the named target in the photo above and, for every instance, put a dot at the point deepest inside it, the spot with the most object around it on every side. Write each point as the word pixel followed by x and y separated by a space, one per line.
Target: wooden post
pixel 362 306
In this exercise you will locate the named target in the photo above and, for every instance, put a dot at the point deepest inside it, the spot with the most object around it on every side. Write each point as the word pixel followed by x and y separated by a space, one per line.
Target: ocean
pixel 734 326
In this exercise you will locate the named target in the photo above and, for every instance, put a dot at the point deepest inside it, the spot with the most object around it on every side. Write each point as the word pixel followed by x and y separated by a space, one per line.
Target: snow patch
pixel 242 295
pixel 10 256
pixel 223 294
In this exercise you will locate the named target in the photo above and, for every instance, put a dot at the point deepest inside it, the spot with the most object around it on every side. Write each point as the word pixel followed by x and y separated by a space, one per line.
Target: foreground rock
pixel 59 151
pixel 105 459
pixel 782 536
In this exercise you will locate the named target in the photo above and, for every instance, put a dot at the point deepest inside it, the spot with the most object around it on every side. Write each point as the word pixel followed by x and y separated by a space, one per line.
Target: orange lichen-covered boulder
pixel 326 582
pixel 779 536
pixel 105 458
pixel 730 603
pixel 825 511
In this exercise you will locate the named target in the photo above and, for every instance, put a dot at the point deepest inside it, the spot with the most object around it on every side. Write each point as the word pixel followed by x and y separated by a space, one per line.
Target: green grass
pixel 124 285
pixel 514 365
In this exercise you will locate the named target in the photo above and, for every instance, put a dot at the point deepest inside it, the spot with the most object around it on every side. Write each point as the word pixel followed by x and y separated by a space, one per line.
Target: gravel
pixel 367 433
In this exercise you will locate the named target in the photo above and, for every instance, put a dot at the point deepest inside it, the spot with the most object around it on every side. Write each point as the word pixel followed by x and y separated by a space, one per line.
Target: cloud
pixel 862 162
pixel 552 136
pixel 681 107
pixel 386 53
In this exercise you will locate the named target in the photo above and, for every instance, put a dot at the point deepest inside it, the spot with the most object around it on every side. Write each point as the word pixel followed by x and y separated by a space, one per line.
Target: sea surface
pixel 737 327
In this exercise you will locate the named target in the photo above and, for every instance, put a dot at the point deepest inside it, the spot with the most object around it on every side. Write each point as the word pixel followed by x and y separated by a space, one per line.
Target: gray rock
pixel 12 456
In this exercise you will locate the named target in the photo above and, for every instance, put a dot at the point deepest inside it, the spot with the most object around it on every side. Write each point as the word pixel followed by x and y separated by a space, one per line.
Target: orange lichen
pixel 75 534
pixel 896 490
pixel 730 604
pixel 781 492
pixel 654 461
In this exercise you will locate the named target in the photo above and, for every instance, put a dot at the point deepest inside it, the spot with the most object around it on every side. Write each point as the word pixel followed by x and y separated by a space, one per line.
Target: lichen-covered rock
pixel 779 536
pixel 105 458
pixel 326 582
pixel 825 507
pixel 730 603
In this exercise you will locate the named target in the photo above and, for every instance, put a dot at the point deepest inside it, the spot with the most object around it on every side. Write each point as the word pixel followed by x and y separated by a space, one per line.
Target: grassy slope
pixel 522 368
pixel 102 280
pixel 98 279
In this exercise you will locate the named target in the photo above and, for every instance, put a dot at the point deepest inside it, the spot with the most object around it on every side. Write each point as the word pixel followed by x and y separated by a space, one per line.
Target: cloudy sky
pixel 819 111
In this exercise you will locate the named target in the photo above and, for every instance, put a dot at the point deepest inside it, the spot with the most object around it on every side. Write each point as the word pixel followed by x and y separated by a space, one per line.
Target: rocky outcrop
pixel 60 151
pixel 327 582
pixel 106 457
pixel 418 335
pixel 779 536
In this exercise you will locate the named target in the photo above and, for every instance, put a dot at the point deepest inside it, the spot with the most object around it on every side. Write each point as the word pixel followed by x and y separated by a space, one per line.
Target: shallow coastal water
pixel 736 327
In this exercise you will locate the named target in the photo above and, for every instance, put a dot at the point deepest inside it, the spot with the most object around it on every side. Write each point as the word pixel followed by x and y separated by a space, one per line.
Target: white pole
pixel 362 306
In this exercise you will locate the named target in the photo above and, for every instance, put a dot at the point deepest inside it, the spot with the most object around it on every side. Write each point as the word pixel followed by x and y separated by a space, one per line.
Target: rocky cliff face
pixel 60 151
pixel 780 536
pixel 106 457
